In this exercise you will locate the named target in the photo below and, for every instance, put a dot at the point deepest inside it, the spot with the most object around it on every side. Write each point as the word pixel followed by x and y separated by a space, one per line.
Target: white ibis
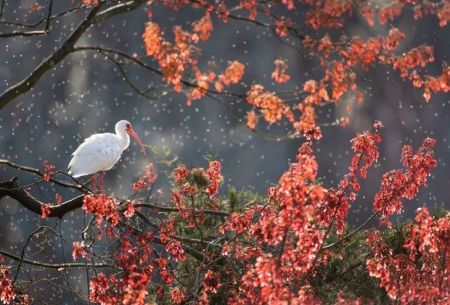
pixel 100 152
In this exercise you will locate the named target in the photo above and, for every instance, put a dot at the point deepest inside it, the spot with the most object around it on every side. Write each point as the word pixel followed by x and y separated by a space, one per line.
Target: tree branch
pixel 11 189
pixel 352 233
pixel 33 33
pixel 50 265
pixel 35 171
pixel 28 82
pixel 93 17
pixel 42 20
pixel 175 210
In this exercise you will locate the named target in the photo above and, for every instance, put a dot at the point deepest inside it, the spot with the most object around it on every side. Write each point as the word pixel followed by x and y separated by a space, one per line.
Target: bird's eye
pixel 128 125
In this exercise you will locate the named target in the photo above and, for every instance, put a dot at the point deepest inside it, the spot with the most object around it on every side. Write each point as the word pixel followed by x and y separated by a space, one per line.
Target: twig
pixel 93 17
pixel 22 254
pixel 50 265
pixel 353 232
pixel 35 171
pixel 175 210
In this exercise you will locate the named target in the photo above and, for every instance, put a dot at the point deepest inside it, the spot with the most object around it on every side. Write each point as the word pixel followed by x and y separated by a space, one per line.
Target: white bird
pixel 100 152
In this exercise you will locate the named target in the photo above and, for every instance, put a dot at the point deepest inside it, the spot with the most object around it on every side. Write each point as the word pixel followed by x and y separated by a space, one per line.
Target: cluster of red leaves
pixel 417 57
pixel 287 222
pixel 279 74
pixel 184 177
pixel 431 84
pixel 178 295
pixel 175 250
pixel 271 106
pixel 420 274
pixel 90 2
pixel 252 119
pixel 7 293
pixel 365 147
pixel 211 284
pixel 188 188
pixel 215 178
pixel 366 154
pixel 399 184
pixel 148 179
pixel 296 221
pixel 175 58
pixel 327 14
pixel 287 234
pixel 49 170
pixel 130 285
pixel 79 250
pixel 232 75
pixel 282 26
pixel 103 206
pixel 181 173
pixel 331 13
pixel 46 210
pixel 340 74
pixel 357 52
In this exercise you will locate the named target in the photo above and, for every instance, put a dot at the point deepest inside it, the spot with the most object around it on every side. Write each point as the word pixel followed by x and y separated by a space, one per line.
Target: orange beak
pixel 135 136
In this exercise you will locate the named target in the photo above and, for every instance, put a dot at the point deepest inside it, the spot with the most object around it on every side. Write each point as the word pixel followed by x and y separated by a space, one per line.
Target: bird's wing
pixel 88 157
pixel 90 139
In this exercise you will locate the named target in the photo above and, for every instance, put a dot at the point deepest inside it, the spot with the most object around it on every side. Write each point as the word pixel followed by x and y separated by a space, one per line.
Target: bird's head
pixel 125 127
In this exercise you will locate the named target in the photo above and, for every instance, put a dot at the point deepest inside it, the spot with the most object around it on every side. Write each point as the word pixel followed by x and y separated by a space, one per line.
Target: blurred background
pixel 86 94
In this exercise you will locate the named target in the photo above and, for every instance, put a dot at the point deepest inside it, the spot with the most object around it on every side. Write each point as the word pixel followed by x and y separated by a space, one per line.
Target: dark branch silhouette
pixel 93 17
pixel 11 189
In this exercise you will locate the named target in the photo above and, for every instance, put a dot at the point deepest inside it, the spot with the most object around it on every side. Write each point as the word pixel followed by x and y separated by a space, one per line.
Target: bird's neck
pixel 124 140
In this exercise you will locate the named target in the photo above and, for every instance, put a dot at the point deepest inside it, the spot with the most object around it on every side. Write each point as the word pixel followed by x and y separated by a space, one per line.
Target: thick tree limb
pixel 93 17
pixel 11 189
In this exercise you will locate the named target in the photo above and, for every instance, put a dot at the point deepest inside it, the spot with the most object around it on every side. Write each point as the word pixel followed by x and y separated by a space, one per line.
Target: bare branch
pixel 22 253
pixel 32 33
pixel 93 17
pixel 49 14
pixel 42 20
pixel 28 83
pixel 2 7
pixel 22 33
pixel 35 171
pixel 50 265
pixel 118 9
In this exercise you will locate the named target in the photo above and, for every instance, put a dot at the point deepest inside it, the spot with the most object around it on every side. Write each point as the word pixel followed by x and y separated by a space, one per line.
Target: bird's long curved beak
pixel 135 136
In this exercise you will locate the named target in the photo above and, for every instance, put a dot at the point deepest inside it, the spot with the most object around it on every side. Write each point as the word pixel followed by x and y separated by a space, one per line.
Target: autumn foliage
pixel 200 245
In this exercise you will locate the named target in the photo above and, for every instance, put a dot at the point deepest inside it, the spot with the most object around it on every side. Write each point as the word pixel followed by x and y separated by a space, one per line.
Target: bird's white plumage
pixel 99 152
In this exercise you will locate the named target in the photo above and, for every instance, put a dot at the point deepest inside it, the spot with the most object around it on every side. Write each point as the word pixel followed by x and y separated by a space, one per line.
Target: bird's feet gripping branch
pixel 100 152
